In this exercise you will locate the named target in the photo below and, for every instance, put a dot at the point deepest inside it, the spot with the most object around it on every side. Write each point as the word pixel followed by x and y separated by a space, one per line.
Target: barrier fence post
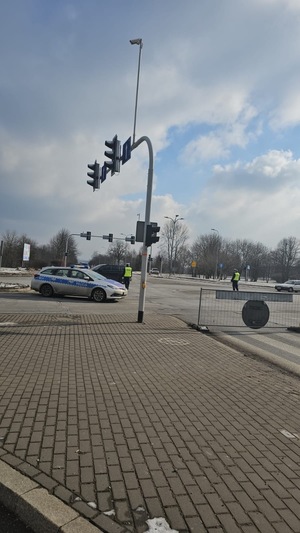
pixel 199 310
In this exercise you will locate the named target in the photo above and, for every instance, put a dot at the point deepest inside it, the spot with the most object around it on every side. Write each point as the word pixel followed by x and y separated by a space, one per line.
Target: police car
pixel 77 282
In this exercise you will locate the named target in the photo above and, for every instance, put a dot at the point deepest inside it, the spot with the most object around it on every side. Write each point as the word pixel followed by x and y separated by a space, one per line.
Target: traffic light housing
pixel 151 234
pixel 114 154
pixel 110 237
pixel 130 239
pixel 94 175
pixel 88 235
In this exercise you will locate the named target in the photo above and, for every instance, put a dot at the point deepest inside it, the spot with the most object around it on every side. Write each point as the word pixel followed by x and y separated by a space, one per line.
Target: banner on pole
pixel 26 252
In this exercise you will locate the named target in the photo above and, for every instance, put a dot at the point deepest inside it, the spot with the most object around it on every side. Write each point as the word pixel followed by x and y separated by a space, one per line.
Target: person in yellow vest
pixel 235 280
pixel 127 275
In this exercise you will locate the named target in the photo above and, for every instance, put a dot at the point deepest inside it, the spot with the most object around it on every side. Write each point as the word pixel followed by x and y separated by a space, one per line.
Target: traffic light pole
pixel 108 237
pixel 67 245
pixel 142 295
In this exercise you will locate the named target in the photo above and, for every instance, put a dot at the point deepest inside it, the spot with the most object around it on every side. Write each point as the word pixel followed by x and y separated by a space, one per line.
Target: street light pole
pixel 147 222
pixel 126 248
pixel 174 220
pixel 217 254
pixel 67 245
pixel 139 42
pixel 134 145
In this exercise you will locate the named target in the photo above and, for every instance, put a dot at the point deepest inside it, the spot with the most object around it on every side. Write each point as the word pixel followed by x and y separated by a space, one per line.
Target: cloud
pixel 217 98
pixel 257 200
pixel 287 114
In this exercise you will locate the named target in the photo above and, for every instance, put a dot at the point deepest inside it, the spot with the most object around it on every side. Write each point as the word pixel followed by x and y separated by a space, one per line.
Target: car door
pixel 297 285
pixel 78 283
pixel 59 281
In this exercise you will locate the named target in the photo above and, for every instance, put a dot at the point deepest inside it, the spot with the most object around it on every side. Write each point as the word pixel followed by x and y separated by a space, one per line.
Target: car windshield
pixel 95 275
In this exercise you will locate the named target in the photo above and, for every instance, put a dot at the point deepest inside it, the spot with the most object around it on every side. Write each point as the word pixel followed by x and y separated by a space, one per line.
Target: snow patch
pixel 159 525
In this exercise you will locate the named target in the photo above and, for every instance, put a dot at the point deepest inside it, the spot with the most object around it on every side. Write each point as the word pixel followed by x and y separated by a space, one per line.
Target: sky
pixel 218 98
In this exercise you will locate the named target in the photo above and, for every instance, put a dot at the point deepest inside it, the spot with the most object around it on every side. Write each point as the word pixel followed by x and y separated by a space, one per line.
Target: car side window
pixel 60 272
pixel 76 274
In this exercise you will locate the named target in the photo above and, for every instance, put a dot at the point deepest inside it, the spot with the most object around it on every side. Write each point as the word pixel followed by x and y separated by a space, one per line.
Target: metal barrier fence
pixel 248 309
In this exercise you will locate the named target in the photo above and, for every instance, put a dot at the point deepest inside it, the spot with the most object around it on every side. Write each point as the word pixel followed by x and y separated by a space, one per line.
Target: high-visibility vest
pixel 128 272
pixel 236 276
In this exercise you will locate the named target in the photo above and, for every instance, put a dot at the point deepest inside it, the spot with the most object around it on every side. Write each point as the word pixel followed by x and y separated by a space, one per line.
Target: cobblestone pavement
pixel 126 422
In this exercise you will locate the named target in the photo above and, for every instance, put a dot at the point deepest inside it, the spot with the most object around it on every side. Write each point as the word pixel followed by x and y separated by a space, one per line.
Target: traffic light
pixel 110 237
pixel 151 233
pixel 130 239
pixel 88 235
pixel 114 155
pixel 94 175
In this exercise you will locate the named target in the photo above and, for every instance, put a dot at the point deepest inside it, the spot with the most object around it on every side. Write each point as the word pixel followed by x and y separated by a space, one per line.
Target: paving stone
pixel 146 428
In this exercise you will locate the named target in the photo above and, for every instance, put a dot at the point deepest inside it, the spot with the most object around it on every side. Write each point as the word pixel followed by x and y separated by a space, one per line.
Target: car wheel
pixel 46 290
pixel 278 289
pixel 290 289
pixel 99 295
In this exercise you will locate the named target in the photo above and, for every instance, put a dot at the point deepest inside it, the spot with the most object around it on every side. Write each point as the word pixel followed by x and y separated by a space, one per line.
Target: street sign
pixel 255 314
pixel 126 151
pixel 103 173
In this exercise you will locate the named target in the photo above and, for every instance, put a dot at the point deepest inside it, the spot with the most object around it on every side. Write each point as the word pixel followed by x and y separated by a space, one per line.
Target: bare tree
pixel 285 257
pixel 204 252
pixel 99 258
pixel 58 247
pixel 250 258
pixel 118 251
pixel 13 246
pixel 257 260
pixel 11 257
pixel 174 236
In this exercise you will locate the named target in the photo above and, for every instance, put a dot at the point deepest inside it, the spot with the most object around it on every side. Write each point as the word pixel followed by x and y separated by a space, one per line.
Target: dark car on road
pixel 115 272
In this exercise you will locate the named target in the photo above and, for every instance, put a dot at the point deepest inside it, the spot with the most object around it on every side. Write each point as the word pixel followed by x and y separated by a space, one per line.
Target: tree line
pixel 209 256
pixel 52 253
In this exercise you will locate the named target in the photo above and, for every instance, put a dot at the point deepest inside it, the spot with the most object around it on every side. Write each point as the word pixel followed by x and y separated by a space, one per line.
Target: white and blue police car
pixel 77 282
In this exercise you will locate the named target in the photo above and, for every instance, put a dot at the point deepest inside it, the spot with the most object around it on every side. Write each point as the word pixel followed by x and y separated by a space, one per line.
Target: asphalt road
pixel 177 297
pixel 9 523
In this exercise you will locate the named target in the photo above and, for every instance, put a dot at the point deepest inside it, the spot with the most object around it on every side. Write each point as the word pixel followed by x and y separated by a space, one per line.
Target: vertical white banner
pixel 26 252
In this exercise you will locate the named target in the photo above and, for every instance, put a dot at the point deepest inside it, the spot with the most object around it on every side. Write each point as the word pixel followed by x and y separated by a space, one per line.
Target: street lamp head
pixel 137 41
pixel 175 219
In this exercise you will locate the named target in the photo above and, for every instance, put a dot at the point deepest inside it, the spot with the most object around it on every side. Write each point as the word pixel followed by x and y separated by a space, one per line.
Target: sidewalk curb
pixel 38 509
